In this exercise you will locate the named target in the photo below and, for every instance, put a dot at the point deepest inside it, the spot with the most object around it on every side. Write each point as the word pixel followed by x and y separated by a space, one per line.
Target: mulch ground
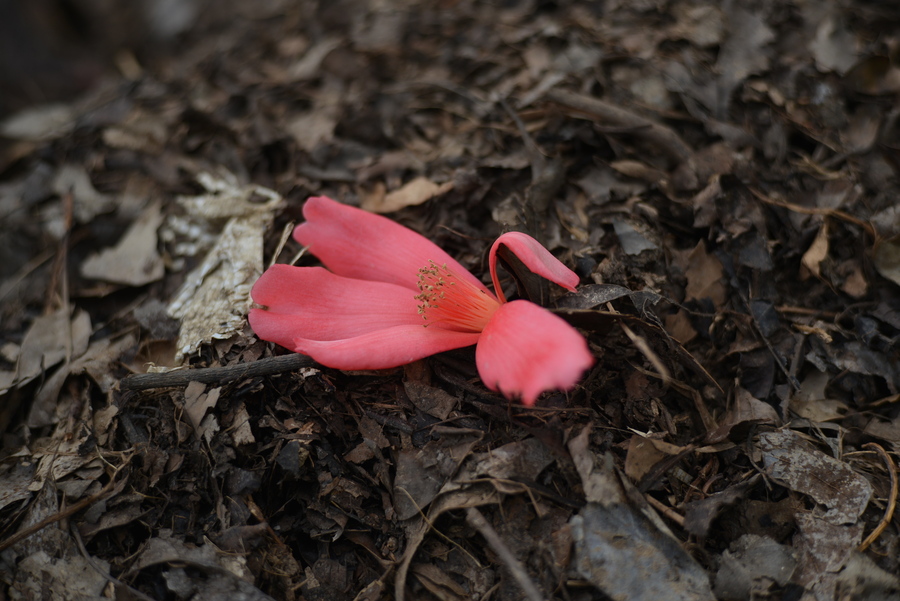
pixel 722 177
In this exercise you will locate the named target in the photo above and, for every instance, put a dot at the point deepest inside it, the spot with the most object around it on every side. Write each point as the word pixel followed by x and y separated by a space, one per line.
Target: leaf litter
pixel 723 178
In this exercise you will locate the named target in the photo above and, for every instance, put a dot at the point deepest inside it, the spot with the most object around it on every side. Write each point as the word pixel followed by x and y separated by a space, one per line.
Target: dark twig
pixel 665 138
pixel 68 511
pixel 515 567
pixel 216 375
pixel 892 501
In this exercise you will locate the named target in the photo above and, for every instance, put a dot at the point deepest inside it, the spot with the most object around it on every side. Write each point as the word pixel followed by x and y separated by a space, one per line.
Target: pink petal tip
pixel 526 350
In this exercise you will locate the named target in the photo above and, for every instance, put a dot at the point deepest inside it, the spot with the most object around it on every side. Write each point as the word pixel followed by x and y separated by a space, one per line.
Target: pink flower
pixel 390 296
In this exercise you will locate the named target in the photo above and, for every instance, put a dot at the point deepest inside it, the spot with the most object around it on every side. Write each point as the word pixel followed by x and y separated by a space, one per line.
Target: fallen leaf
pixel 50 339
pixel 43 576
pixel 15 480
pixel 87 201
pixel 812 403
pixel 699 515
pixel 313 128
pixel 134 261
pixel 703 26
pixel 823 549
pixel 705 276
pixel 815 254
pixel 197 403
pixel 632 241
pixel 679 327
pixel 834 46
pixel 411 194
pixel 215 297
pixel 744 52
pixel 653 565
pixel 422 472
pixel 39 123
pixel 433 401
pixel 751 566
pixel 828 481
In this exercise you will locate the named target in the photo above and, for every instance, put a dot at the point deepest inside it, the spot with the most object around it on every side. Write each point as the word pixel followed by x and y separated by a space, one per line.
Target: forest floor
pixel 723 177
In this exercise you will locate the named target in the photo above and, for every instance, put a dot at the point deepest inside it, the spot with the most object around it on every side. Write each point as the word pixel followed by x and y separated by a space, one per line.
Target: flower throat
pixel 450 302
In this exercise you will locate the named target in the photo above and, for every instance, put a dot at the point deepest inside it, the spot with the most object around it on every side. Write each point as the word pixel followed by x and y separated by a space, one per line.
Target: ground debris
pixel 721 176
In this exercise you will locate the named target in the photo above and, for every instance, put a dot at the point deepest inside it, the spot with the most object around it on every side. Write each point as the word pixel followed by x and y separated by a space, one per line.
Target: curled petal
pixel 535 257
pixel 311 302
pixel 525 350
pixel 358 244
pixel 384 348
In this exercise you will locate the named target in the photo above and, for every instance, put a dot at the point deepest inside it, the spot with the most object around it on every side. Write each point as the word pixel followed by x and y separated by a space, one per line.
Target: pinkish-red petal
pixel 535 257
pixel 358 244
pixel 383 349
pixel 525 350
pixel 311 302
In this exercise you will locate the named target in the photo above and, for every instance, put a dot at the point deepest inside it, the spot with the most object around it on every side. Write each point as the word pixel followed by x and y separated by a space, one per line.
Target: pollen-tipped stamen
pixel 448 301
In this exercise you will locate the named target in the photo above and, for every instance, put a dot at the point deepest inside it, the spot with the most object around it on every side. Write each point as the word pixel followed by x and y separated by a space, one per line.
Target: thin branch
pixel 216 375
pixel 71 510
pixel 515 567
pixel 892 501
pixel 665 138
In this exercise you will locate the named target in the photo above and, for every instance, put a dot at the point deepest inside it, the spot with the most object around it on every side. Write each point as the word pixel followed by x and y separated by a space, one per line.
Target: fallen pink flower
pixel 390 296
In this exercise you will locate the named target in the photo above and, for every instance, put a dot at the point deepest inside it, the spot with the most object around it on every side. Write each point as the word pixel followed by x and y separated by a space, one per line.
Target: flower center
pixel 452 302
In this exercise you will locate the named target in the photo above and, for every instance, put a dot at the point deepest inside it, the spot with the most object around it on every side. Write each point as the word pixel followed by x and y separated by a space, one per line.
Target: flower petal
pixel 525 350
pixel 535 257
pixel 383 349
pixel 311 302
pixel 358 244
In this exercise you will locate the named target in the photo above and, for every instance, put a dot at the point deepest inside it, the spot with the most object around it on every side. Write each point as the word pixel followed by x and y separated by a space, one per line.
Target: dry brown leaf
pixel 50 339
pixel 412 194
pixel 823 548
pixel 313 128
pixel 241 432
pixel 197 402
pixel 679 327
pixel 87 201
pixel 701 25
pixel 654 566
pixel 835 46
pixel 812 403
pixel 215 297
pixel 830 482
pixel 705 276
pixel 421 473
pixel 744 52
pixel 639 170
pixel 39 123
pixel 642 456
pixel 815 254
pixel 134 261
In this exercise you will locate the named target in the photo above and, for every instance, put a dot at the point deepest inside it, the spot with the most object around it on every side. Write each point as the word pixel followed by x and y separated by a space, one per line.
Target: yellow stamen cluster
pixel 450 302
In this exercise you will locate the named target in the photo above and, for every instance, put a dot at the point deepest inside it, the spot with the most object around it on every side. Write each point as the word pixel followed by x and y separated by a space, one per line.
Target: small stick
pixel 668 141
pixel 865 225
pixel 892 501
pixel 665 510
pixel 60 515
pixel 215 375
pixel 478 521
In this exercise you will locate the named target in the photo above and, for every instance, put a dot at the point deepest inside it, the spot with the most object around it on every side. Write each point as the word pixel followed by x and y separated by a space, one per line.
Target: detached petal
pixel 535 257
pixel 525 350
pixel 358 244
pixel 311 302
pixel 383 349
